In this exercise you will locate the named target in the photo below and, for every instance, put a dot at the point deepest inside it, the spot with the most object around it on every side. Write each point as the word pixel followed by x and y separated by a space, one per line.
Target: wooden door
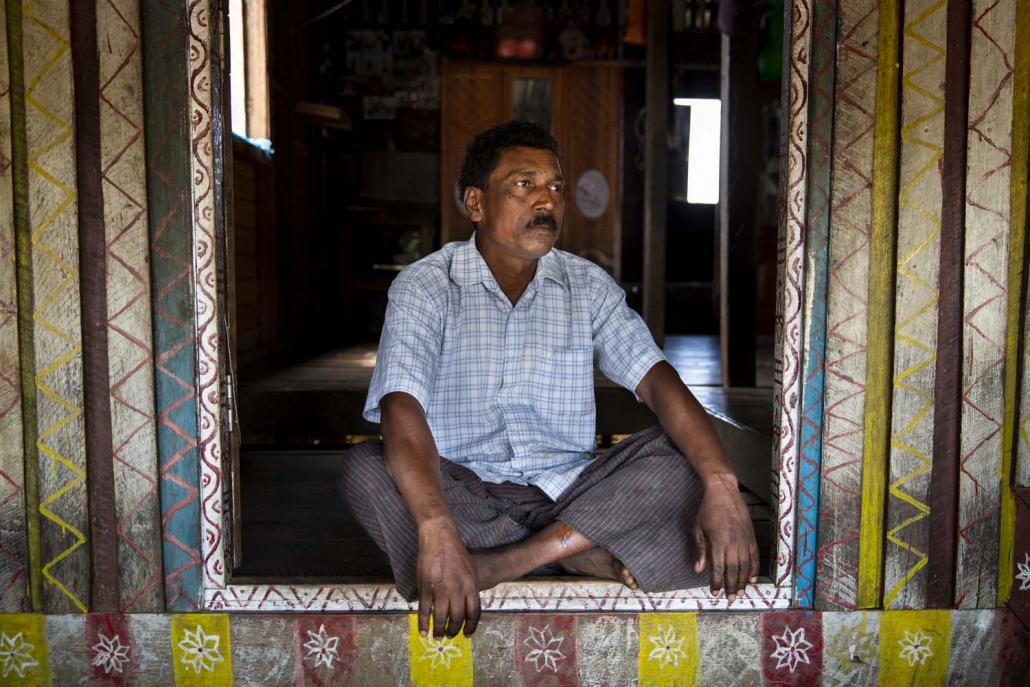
pixel 472 100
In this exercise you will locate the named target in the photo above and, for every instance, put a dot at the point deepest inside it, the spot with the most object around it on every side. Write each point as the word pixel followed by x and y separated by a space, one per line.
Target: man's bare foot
pixel 597 562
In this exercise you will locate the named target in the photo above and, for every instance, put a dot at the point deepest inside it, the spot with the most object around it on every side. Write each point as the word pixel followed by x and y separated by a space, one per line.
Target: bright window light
pixel 702 149
pixel 237 68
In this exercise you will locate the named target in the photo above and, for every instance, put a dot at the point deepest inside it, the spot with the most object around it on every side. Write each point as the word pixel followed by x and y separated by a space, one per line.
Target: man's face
pixel 521 210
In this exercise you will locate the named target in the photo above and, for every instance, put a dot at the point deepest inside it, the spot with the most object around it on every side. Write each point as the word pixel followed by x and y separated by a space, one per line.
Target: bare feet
pixel 597 562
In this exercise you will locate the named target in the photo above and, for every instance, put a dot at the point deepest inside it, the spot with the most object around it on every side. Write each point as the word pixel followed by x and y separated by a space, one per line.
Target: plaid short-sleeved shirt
pixel 509 391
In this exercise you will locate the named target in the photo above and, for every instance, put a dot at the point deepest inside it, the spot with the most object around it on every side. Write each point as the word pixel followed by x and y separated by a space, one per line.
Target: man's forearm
pixel 686 422
pixel 412 459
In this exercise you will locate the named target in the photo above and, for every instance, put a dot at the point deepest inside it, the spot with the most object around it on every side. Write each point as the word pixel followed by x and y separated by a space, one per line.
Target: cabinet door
pixel 472 100
pixel 592 160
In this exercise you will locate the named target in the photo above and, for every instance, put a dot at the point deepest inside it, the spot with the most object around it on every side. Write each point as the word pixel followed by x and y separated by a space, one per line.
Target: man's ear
pixel 474 203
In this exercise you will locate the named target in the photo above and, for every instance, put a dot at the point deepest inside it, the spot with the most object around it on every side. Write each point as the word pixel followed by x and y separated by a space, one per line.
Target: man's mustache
pixel 544 220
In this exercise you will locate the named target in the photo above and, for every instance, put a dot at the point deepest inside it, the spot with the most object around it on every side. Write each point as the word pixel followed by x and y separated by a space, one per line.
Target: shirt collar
pixel 469 267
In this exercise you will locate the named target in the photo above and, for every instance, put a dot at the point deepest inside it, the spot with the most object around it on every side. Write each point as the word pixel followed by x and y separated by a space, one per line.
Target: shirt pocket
pixel 564 381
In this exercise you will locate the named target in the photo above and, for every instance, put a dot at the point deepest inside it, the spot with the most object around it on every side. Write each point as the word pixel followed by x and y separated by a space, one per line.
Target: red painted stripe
pixel 110 646
pixel 792 648
pixel 545 650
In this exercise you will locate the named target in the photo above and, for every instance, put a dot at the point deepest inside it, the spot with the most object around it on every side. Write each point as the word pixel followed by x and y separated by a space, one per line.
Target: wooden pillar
pixel 655 164
pixel 737 182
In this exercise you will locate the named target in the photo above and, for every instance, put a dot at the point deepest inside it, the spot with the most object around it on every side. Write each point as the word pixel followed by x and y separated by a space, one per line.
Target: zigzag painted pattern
pixel 844 396
pixel 824 33
pixel 984 301
pixel 208 352
pixel 13 546
pixel 57 317
pixel 175 360
pixel 915 344
pixel 128 307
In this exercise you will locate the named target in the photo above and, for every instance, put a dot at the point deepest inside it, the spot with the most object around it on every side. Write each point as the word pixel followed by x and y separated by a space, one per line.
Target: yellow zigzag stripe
pixel 909 134
pixel 71 274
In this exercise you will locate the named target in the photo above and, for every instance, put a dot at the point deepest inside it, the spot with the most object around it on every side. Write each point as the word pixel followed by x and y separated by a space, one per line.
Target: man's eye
pixel 522 183
pixel 557 188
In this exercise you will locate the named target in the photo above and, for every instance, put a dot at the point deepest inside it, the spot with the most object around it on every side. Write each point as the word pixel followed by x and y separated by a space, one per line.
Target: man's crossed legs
pixel 628 517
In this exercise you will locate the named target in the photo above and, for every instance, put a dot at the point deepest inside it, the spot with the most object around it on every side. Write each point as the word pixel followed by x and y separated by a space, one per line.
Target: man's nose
pixel 546 199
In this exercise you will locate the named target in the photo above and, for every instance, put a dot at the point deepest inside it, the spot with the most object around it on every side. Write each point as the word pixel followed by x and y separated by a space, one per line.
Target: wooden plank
pixel 881 308
pixel 57 336
pixel 789 291
pixel 792 648
pixel 924 638
pixel 656 102
pixel 93 290
pixel 14 548
pixel 947 385
pixel 989 142
pixel 736 639
pixel 325 647
pixel 203 52
pixel 1019 601
pixel 169 211
pixel 128 322
pixel 669 653
pixel 915 307
pixel 202 650
pixel 847 308
pixel 1015 340
pixel 26 330
pixel 820 165
pixel 738 181
pixel 851 647
pixel 444 661
pixel 256 62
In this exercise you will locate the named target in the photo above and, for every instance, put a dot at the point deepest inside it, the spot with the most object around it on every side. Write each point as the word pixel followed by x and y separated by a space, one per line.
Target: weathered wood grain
pixel 1019 601
pixel 851 648
pixel 93 298
pixel 129 326
pixel 169 215
pixel 261 649
pixel 737 638
pixel 820 165
pixel 915 306
pixel 792 648
pixel 201 650
pixel 788 333
pixel 975 643
pixel 915 647
pixel 606 645
pixel 14 550
pixel 324 650
pixel 202 53
pixel 49 99
pixel 876 436
pixel 940 588
pixel 984 301
pixel 1015 340
pixel 847 307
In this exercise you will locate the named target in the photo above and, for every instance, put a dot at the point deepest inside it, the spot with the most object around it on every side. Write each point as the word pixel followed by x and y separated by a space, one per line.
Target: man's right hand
pixel 447 585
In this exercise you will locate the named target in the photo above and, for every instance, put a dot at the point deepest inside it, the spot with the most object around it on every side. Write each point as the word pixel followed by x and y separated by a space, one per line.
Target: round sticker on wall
pixel 592 194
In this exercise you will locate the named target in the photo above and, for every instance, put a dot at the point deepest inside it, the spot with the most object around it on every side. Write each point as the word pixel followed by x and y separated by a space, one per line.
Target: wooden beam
pixel 738 180
pixel 655 164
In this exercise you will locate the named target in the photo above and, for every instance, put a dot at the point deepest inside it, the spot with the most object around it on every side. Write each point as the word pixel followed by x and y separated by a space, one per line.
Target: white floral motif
pixel 545 649
pixel 791 648
pixel 915 648
pixel 16 654
pixel 439 652
pixel 322 647
pixel 110 654
pixel 200 650
pixel 1024 573
pixel 668 648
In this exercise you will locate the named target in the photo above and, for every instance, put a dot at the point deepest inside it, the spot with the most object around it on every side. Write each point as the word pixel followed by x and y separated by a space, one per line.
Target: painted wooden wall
pixel 903 400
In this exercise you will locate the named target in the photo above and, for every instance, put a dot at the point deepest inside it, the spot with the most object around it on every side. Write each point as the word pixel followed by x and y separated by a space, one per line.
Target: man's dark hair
pixel 484 151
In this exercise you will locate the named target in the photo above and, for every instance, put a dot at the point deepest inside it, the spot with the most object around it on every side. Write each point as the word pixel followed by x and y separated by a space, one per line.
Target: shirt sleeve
pixel 409 348
pixel 624 349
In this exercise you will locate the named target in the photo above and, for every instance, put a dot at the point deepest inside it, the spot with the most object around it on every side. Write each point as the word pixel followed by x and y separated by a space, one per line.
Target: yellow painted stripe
pixel 914 647
pixel 440 662
pixel 26 345
pixel 668 652
pixel 1014 330
pixel 881 309
pixel 201 650
pixel 26 655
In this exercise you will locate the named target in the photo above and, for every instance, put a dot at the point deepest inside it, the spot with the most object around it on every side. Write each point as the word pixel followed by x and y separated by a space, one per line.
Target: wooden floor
pixel 295 420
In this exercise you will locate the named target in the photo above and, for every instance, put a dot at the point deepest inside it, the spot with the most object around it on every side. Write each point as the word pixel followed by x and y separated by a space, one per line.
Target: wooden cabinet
pixel 583 103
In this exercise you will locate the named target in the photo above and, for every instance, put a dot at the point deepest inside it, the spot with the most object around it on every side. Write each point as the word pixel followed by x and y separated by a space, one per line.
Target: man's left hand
pixel 725 538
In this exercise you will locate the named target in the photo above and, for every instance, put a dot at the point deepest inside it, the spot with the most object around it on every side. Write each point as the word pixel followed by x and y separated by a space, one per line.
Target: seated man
pixel 484 387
